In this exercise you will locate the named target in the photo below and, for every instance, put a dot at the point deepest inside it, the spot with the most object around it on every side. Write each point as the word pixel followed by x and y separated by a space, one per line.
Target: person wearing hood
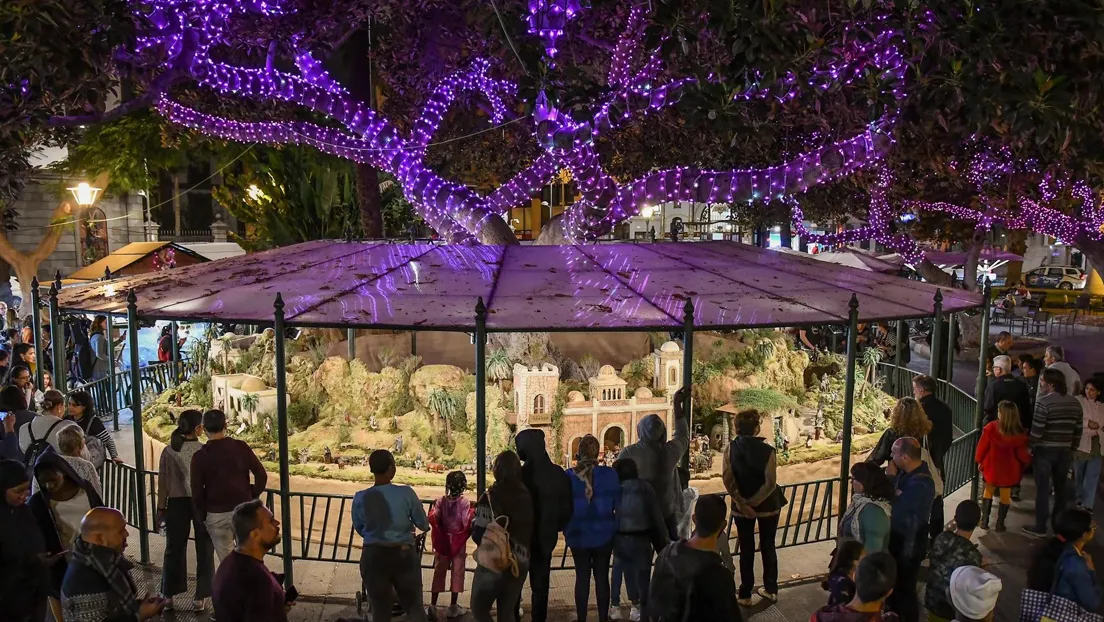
pixel 874 582
pixel 1001 456
pixel 25 579
pixel 657 458
pixel 590 533
pixel 62 500
pixel 640 530
pixel 550 489
pixel 690 573
pixel 908 525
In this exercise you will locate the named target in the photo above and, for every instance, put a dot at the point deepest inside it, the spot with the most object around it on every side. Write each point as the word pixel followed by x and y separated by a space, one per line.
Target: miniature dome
pixel 574 397
pixel 643 392
pixel 670 346
pixel 607 370
pixel 253 384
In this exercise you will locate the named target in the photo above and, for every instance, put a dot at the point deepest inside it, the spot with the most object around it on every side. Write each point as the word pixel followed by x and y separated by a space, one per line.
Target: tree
pixel 499 368
pixel 445 407
pixel 249 403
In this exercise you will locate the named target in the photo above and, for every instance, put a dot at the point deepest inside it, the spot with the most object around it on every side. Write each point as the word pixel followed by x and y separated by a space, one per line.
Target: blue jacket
pixel 594 524
pixel 908 526
pixel 1076 582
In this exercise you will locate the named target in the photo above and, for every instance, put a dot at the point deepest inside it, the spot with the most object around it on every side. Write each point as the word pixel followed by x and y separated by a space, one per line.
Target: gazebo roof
pixel 525 288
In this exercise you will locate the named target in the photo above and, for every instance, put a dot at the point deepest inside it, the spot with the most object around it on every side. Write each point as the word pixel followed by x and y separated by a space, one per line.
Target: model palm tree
pixel 443 406
pixel 499 367
pixel 870 359
pixel 249 403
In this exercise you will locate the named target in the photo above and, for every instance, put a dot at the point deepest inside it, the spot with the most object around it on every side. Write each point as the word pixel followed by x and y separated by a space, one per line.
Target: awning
pixel 126 257
pixel 525 288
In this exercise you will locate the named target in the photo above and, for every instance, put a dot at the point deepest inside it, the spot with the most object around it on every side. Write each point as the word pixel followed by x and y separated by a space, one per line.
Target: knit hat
pixel 974 591
pixel 12 474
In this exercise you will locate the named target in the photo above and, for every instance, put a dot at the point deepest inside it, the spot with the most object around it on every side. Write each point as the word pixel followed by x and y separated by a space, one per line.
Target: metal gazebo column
pixel 480 397
pixel 282 433
pixel 136 423
pixel 175 349
pixel 687 369
pixel 57 329
pixel 849 398
pixel 350 337
pixel 113 398
pixel 952 325
pixel 902 338
pixel 36 329
pixel 979 389
pixel 936 336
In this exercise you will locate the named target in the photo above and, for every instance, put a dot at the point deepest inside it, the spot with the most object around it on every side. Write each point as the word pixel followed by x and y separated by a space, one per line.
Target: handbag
pixel 494 552
pixel 935 475
pixel 1039 606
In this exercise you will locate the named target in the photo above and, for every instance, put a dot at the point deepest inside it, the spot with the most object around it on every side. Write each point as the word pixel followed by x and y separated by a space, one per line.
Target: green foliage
pixel 248 402
pixel 499 367
pixel 302 413
pixel 704 371
pixel 638 374
pixel 344 433
pixel 764 400
pixel 557 417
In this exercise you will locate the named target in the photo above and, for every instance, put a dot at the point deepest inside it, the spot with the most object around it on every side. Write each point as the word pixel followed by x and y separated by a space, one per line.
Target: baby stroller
pixel 364 607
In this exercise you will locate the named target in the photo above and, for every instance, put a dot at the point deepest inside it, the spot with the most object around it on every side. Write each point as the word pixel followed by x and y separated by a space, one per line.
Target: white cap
pixel 974 591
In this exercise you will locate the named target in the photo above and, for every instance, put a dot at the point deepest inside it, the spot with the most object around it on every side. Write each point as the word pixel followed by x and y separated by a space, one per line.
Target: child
pixel 840 583
pixel 874 579
pixel 1001 456
pixel 450 522
pixel 640 531
pixel 951 550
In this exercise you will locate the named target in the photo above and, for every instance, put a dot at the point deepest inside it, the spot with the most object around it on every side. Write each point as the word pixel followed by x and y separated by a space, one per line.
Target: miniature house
pixel 227 391
pixel 534 393
pixel 667 367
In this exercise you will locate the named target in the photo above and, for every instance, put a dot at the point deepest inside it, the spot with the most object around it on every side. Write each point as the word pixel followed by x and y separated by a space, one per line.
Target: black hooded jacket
pixel 550 487
pixel 691 585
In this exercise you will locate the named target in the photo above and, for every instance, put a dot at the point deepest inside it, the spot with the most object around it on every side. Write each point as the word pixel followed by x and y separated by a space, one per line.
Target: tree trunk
pixel 933 274
pixel 1017 243
pixel 1093 251
pixel 176 202
pixel 973 253
pixel 369 201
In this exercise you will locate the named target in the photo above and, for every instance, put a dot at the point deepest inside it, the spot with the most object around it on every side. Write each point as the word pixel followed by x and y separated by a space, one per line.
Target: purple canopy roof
pixel 525 288
pixel 957 258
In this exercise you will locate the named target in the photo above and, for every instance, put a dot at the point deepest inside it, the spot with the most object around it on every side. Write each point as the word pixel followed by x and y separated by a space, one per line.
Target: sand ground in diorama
pixel 339 411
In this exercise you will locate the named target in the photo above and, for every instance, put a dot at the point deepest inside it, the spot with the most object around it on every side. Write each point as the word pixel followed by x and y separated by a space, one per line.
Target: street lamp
pixel 85 194
pixel 647 212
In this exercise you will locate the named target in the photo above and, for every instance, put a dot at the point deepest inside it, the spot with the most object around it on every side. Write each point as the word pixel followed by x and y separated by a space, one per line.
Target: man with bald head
pixel 908 530
pixel 97 585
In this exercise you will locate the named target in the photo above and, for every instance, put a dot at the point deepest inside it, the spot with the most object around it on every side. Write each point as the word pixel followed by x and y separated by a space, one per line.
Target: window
pixel 538 405
pixel 1055 272
pixel 672 376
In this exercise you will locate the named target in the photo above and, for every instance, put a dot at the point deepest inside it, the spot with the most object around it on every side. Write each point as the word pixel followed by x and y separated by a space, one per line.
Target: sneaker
pixel 1032 531
pixel 455 611
pixel 615 612
pixel 199 604
pixel 634 614
pixel 773 598
pixel 744 602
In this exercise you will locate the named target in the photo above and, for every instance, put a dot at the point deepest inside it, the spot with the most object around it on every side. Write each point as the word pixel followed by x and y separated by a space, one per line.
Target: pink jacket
pixel 450 521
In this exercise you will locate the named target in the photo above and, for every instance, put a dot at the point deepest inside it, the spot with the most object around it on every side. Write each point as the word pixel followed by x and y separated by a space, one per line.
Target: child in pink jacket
pixel 450 522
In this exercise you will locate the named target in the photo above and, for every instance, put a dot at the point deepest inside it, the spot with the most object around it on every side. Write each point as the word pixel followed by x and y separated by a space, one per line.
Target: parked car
pixel 1059 277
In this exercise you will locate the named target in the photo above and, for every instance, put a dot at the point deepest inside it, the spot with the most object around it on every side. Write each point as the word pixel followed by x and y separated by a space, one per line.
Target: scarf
pixel 850 522
pixel 585 470
pixel 113 567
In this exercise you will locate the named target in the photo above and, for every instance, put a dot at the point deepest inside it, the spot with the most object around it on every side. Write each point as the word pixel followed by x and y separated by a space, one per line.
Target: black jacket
pixel 942 432
pixel 548 484
pixel 1011 388
pixel 687 577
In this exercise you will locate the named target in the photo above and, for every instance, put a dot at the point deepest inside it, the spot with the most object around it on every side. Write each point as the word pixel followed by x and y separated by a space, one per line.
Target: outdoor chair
pixel 1020 315
pixel 1067 322
pixel 1040 323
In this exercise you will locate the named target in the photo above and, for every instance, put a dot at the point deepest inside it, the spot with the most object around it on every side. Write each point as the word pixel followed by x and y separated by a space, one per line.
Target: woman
pixel 750 473
pixel 866 519
pixel 597 494
pixel 164 344
pixel 641 531
pixel 508 503
pixel 25 579
pixel 1062 565
pixel 39 394
pixel 70 440
pixel 83 412
pixel 1087 458
pixel 1001 456
pixel 175 512
pixel 62 500
pixel 97 339
pixel 908 419
pixel 27 333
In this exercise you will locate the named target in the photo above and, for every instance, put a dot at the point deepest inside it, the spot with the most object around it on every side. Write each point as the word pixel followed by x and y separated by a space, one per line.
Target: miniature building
pixel 227 391
pixel 667 370
pixel 607 385
pixel 534 394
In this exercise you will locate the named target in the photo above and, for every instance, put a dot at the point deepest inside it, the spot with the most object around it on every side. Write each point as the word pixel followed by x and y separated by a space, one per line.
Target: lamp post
pixel 84 194
pixel 647 212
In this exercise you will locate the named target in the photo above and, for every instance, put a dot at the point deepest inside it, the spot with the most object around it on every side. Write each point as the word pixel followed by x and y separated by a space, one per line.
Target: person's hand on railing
pixel 118 461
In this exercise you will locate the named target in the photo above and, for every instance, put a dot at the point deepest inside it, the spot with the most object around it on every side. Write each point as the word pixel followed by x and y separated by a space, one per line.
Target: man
pixel 97 586
pixel 874 580
pixel 244 589
pixel 908 529
pixel 939 439
pixel 1001 347
pixel 552 507
pixel 950 551
pixel 1055 434
pixel 220 481
pixel 1055 358
pixel 385 515
pixel 1005 386
pixel 974 594
pixel 656 459
pixel 1030 369
pixel 690 573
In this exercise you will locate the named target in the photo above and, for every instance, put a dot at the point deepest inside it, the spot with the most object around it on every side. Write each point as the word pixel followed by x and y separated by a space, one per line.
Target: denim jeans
pixel 503 588
pixel 1087 475
pixel 633 556
pixel 1052 465
pixel 616 578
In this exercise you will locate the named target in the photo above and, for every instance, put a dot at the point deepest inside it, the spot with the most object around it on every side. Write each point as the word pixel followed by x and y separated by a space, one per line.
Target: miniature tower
pixel 534 393
pixel 667 369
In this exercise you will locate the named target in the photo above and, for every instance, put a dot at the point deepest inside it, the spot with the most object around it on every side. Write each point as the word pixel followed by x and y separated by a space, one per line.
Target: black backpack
pixel 38 446
pixel 669 599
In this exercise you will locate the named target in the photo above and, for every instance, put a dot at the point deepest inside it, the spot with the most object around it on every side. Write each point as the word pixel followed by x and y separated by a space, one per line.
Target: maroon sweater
pixel 220 476
pixel 245 591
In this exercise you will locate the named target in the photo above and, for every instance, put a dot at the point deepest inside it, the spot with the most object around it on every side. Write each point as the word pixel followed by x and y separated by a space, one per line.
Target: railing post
pixel 350 337
pixel 902 338
pixel 36 329
pixel 176 371
pixel 481 396
pixel 979 390
pixel 936 335
pixel 282 432
pixel 849 399
pixel 687 369
pixel 111 388
pixel 413 343
pixel 952 324
pixel 57 336
pixel 136 422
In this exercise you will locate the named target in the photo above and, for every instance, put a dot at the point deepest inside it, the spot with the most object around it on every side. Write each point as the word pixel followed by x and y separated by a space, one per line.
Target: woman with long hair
pixel 906 420
pixel 509 504
pixel 1001 457
pixel 1062 567
pixel 1087 458
pixel 83 412
pixel 175 512
pixel 866 519
pixel 98 341
pixel 597 493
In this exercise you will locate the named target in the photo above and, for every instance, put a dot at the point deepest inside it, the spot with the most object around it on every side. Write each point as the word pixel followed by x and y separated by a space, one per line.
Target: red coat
pixel 1002 458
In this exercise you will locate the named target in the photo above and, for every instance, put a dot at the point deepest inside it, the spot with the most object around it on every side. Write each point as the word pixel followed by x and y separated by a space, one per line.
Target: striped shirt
pixel 1057 421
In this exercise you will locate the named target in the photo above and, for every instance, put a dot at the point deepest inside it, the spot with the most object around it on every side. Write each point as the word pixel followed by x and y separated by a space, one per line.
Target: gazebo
pixel 484 289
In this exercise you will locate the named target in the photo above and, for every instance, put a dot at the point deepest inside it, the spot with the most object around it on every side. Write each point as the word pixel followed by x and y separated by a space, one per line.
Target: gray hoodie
pixel 656 458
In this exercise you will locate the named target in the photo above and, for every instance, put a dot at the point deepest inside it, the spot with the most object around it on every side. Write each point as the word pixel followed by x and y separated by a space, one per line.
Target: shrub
pixel 302 414
pixel 344 433
pixel 763 400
